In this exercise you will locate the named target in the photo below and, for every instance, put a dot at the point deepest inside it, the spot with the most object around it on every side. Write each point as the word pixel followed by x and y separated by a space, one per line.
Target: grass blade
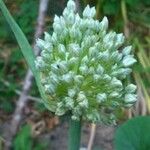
pixel 22 41
pixel 27 52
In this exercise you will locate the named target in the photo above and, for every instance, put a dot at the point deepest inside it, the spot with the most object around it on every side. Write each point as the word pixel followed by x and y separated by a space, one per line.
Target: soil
pixel 57 137
pixel 103 138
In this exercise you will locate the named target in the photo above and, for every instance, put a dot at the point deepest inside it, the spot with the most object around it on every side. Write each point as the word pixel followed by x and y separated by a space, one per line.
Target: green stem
pixel 74 135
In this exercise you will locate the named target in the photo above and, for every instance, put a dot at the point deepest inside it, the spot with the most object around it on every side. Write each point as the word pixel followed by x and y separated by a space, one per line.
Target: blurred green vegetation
pixel 24 140
pixel 129 16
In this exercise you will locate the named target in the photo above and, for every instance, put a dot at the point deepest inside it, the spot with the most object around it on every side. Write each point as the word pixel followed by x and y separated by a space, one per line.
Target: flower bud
pixel 127 50
pixel 74 49
pixel 71 5
pixel 83 69
pixel 130 98
pixel 100 70
pixel 69 103
pixel 116 83
pixel 104 24
pixel 50 88
pixel 131 88
pixel 71 92
pixel 128 61
pixel 40 43
pixel 89 12
pixel 101 97
pixel 47 37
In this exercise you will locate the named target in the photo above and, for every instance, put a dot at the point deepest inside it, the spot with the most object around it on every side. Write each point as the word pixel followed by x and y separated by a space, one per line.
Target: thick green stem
pixel 74 135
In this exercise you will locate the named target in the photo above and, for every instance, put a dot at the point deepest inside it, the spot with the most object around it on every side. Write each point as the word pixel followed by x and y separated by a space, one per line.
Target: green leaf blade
pixel 133 135
pixel 22 41
pixel 27 52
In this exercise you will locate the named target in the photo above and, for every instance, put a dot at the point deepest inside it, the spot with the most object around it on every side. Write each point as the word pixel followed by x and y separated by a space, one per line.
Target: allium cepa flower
pixel 84 68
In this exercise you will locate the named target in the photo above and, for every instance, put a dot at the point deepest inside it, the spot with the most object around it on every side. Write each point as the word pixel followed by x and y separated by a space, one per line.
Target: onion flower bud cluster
pixel 83 67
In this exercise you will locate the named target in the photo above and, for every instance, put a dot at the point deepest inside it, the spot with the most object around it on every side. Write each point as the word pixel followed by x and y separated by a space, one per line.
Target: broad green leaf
pixel 133 135
pixel 27 52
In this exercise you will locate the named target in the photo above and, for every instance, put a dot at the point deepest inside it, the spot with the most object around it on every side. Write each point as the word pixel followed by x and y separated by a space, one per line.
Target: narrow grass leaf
pixel 26 50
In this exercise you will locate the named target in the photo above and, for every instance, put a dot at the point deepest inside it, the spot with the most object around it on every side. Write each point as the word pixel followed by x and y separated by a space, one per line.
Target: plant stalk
pixel 74 135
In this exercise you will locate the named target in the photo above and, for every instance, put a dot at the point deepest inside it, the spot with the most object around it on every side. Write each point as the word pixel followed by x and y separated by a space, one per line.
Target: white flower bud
pixel 64 34
pixel 63 66
pixel 114 67
pixel 57 28
pixel 83 102
pixel 119 40
pixel 101 97
pixel 130 98
pixel 109 37
pixel 77 19
pixel 106 78
pixel 61 49
pixel 60 109
pixel 89 12
pixel 116 56
pixel 81 96
pixel 128 61
pixel 116 83
pixel 69 103
pixel 100 70
pixel 77 111
pixel 71 5
pixel 122 72
pixel 93 52
pixel 78 79
pixel 104 24
pixel 131 88
pixel 73 61
pixel 96 77
pixel 65 13
pixel 54 79
pixel 59 67
pixel 127 50
pixel 104 55
pixel 96 26
pixel 47 37
pixel 85 60
pixel 86 11
pixel 114 95
pixel 40 43
pixel 70 19
pixel 71 92
pixel 48 46
pixel 50 88
pixel 68 78
pixel 92 12
pixel 75 33
pixel 91 70
pixel 39 63
pixel 83 69
pixel 62 22
pixel 56 19
pixel 54 38
pixel 74 49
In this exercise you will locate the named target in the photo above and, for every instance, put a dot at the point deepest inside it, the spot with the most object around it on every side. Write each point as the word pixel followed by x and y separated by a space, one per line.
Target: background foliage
pixel 129 16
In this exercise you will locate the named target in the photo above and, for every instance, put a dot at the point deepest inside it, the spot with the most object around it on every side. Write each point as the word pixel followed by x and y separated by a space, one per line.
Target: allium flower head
pixel 84 68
